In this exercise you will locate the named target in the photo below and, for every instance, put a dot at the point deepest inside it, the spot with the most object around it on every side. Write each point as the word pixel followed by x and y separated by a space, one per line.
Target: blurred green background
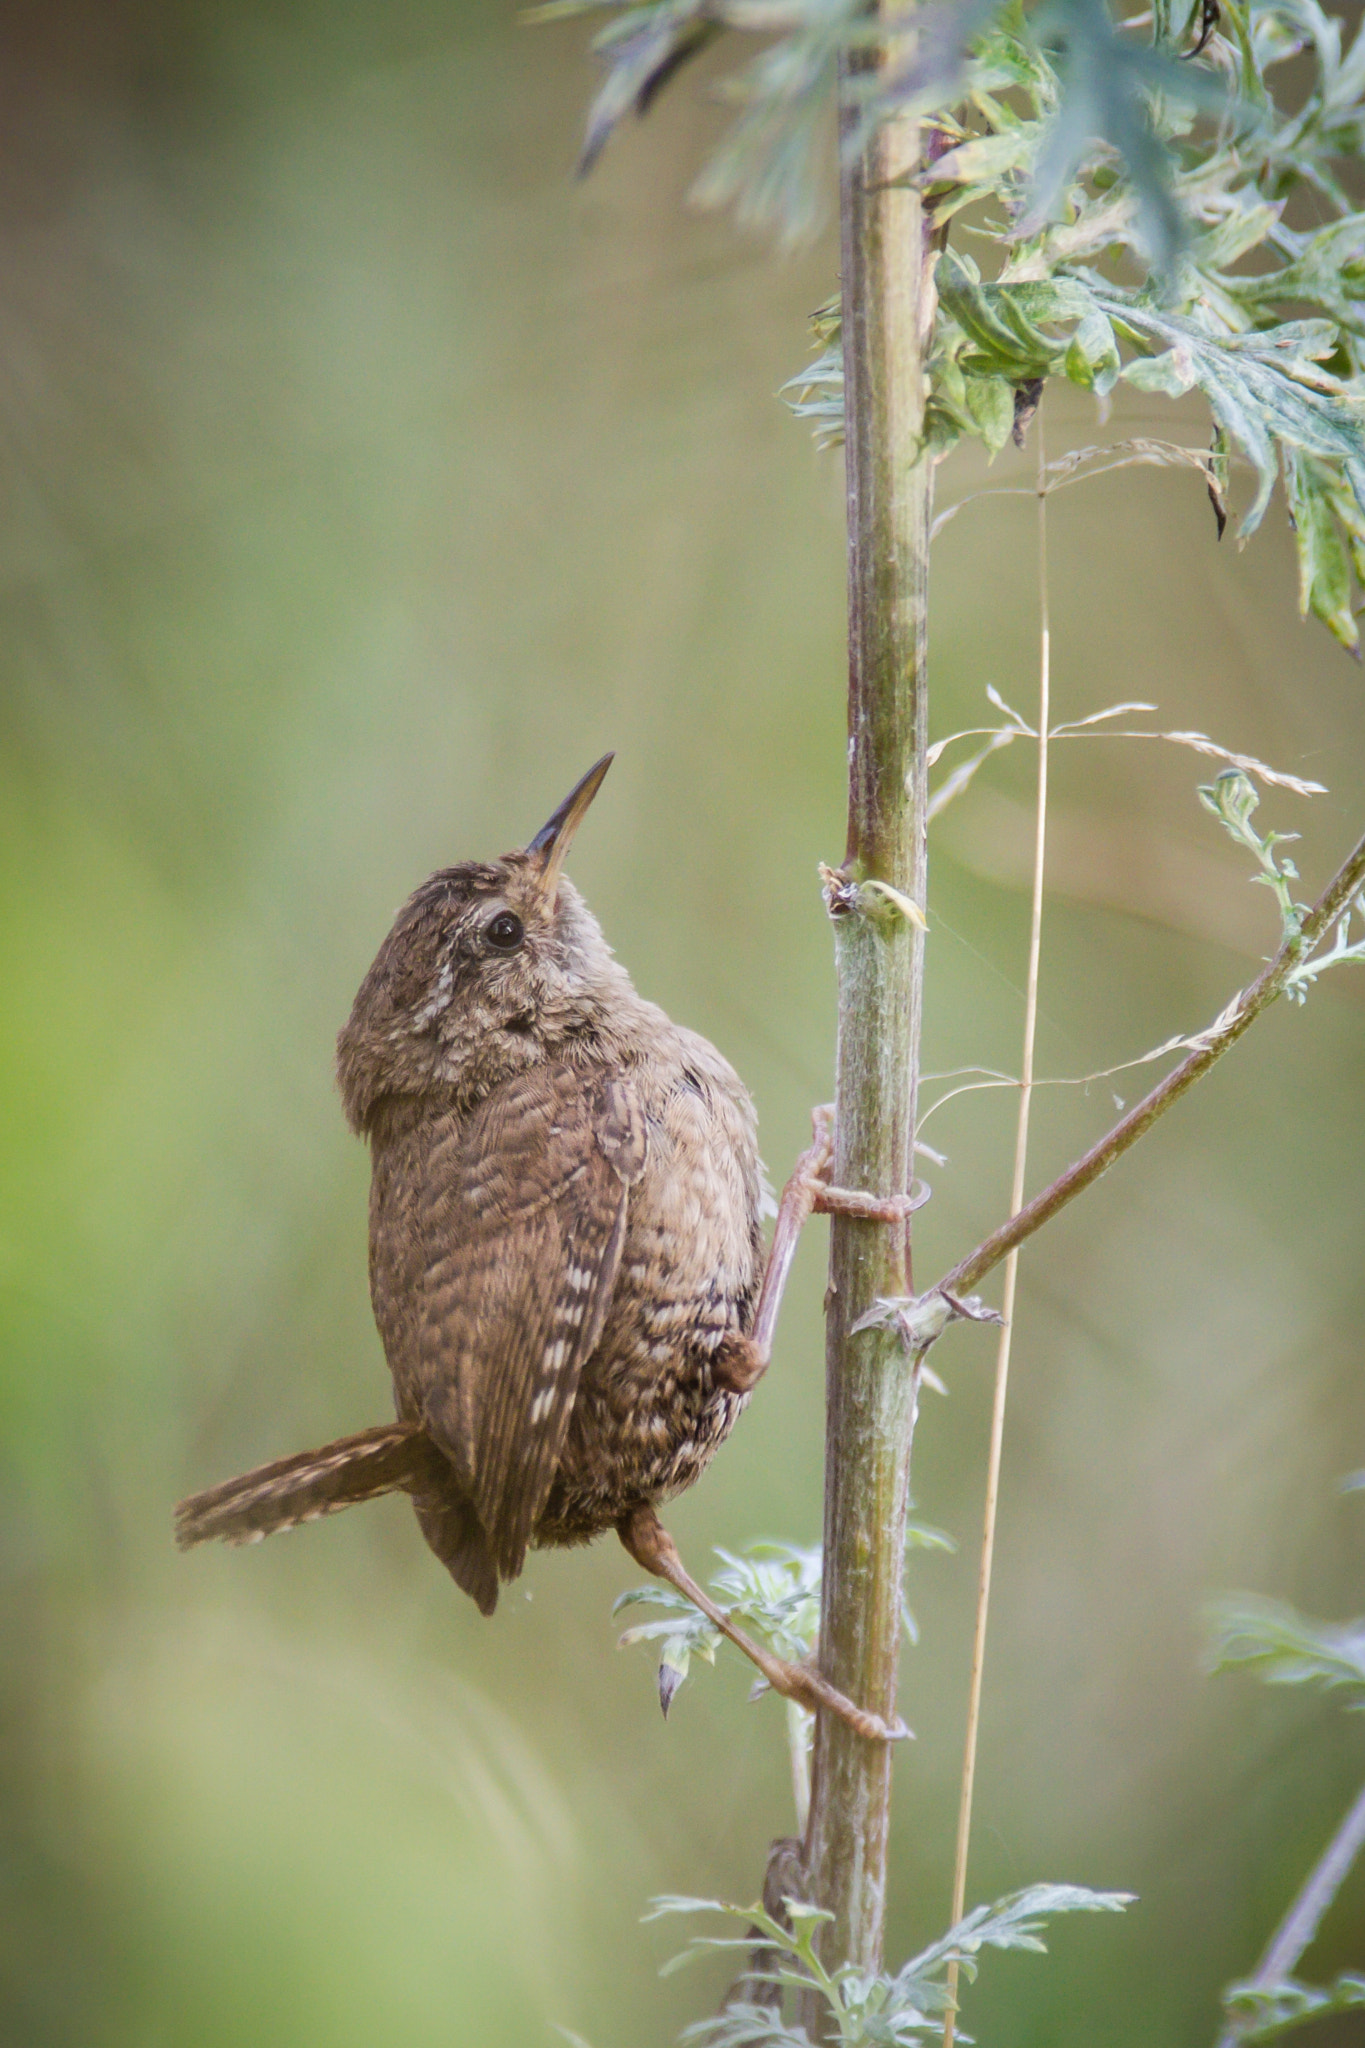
pixel 364 477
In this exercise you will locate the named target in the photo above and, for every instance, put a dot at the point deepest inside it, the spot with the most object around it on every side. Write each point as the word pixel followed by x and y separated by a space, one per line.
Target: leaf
pixel 1324 560
pixel 1092 355
pixel 873 2010
pixel 682 1902
pixel 990 401
pixel 1106 82
pixel 642 51
pixel 1259 2012
pixel 1283 1647
pixel 770 166
pixel 1003 323
pixel 745 2026
pixel 674 1659
pixel 1262 389
pixel 1328 270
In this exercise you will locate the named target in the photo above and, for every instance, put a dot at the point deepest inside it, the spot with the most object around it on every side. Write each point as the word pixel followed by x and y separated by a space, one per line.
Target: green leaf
pixel 743 2025
pixel 1265 390
pixel 1328 271
pixel 990 401
pixel 1263 2012
pixel 1014 1922
pixel 641 51
pixel 872 2010
pixel 1324 559
pixel 1092 354
pixel 1283 1647
pixel 1172 373
pixel 1107 81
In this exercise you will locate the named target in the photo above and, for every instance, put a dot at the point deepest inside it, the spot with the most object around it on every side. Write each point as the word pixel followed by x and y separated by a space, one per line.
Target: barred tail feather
pixel 394 1457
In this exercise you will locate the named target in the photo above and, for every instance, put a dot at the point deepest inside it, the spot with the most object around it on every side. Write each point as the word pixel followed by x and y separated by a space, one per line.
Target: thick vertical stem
pixel 871 1383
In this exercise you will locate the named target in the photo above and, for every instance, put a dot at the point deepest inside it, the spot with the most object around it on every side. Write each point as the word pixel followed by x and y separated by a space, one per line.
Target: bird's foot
pixel 807 1687
pixel 828 1200
pixel 831 1201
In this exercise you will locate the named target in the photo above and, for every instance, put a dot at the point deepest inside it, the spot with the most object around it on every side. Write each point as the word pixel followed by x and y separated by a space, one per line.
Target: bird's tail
pixel 395 1457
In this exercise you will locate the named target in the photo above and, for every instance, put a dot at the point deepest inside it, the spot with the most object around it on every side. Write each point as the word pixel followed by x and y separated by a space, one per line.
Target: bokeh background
pixel 362 477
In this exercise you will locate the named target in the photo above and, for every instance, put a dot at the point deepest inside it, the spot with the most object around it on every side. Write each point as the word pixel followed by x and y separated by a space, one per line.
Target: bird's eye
pixel 504 932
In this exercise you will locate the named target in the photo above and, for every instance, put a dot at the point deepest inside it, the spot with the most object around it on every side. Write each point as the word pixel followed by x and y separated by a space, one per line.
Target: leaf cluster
pixel 771 1589
pixel 772 163
pixel 866 2010
pixel 1152 251
pixel 1136 185
pixel 1284 1647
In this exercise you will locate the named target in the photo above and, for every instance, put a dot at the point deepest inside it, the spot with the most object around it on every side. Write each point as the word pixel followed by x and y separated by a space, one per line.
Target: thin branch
pixel 1002 1361
pixel 1089 729
pixel 1071 469
pixel 1240 1014
pixel 954 784
pixel 993 1080
pixel 1300 1924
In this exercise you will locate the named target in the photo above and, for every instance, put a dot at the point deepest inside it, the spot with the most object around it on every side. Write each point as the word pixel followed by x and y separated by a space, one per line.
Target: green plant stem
pixel 1240 1014
pixel 1300 1924
pixel 871 1382
pixel 798 1751
pixel 1002 1357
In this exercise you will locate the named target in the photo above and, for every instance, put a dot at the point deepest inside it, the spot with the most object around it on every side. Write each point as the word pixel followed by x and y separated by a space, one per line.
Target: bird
pixel 566 1255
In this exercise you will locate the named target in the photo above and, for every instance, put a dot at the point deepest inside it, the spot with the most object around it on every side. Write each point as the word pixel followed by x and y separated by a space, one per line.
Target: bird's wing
pixel 523 1217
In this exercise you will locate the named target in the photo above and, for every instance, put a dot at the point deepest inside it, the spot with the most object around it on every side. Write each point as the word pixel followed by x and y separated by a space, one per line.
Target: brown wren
pixel 566 1261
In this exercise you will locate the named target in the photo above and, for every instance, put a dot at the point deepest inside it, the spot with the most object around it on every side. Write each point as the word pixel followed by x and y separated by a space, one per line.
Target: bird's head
pixel 490 967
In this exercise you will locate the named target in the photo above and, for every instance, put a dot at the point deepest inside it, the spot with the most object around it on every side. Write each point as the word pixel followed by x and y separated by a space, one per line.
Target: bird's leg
pixel 650 1544
pixel 740 1362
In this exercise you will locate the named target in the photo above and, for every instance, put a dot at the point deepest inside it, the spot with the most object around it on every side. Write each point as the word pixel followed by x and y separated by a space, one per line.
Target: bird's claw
pixel 828 1200
pixel 831 1201
pixel 813 1692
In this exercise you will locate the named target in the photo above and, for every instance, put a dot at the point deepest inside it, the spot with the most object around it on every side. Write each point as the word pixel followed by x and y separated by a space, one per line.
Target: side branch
pixel 1300 1924
pixel 1225 1030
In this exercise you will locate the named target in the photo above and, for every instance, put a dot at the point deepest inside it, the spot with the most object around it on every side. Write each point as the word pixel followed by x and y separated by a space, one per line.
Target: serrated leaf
pixel 1106 82
pixel 1283 1647
pixel 1265 391
pixel 876 2009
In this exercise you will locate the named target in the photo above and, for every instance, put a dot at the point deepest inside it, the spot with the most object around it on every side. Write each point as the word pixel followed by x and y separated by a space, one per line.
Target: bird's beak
pixel 553 840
